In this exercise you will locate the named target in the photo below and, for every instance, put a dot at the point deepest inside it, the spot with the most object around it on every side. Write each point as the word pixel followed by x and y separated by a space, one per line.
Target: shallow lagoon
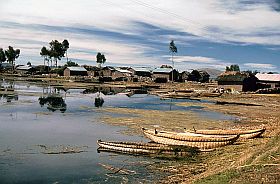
pixel 25 126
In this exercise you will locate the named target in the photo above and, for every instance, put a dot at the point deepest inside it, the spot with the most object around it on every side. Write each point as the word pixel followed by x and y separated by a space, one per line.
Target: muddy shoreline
pixel 251 161
pixel 255 160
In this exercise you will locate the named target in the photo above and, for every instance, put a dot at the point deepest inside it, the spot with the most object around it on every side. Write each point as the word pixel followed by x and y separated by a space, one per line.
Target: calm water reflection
pixel 33 118
pixel 54 102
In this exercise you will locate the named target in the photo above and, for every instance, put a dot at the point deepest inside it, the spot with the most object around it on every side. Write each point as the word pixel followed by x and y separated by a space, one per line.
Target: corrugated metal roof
pixel 26 67
pixel 162 70
pixel 268 77
pixel 109 68
pixel 77 68
pixel 6 64
pixel 142 69
pixel 123 71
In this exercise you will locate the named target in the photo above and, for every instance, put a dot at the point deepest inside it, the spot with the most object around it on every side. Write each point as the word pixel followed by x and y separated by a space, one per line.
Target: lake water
pixel 28 127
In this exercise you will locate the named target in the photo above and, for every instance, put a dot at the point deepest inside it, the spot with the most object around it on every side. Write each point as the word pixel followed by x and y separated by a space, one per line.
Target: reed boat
pixel 209 94
pixel 184 91
pixel 145 148
pixel 244 134
pixel 184 139
pixel 179 95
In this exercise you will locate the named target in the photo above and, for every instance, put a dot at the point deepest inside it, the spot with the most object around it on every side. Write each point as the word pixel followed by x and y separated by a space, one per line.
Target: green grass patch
pixel 224 177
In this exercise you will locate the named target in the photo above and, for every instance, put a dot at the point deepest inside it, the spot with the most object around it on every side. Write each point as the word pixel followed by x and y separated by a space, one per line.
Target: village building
pixel 92 71
pixel 110 73
pixel 75 71
pixel 199 76
pixel 107 71
pixel 268 80
pixel 141 71
pixel 163 75
pixel 237 81
pixel 25 69
pixel 122 75
pixel 6 66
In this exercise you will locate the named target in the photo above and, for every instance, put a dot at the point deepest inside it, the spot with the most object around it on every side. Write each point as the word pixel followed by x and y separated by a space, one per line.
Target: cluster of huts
pixel 244 81
pixel 159 75
pixel 229 80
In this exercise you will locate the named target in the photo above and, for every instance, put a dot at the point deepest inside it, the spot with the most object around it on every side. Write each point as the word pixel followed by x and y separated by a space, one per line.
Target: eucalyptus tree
pixel 233 68
pixel 12 55
pixel 173 50
pixel 56 50
pixel 2 56
pixel 100 58
pixel 45 53
pixel 65 45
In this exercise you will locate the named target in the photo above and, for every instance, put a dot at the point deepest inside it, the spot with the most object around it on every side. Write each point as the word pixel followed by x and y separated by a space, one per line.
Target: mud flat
pixel 250 161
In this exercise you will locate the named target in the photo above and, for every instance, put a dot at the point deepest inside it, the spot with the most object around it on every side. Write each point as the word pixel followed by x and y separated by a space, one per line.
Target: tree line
pixel 58 50
pixel 9 55
pixel 55 51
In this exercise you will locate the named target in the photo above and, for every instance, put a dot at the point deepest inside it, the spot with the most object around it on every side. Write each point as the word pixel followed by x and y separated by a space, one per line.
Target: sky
pixel 207 33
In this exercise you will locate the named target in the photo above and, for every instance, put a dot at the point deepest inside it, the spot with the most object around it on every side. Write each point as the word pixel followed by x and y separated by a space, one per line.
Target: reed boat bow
pixel 183 139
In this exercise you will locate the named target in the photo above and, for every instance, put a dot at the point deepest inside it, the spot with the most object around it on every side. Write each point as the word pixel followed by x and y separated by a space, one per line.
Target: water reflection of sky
pixel 24 125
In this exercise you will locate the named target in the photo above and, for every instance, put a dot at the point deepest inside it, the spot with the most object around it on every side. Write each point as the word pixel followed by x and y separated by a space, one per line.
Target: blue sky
pixel 208 33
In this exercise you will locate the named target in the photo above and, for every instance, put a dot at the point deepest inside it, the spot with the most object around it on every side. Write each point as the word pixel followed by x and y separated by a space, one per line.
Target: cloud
pixel 274 48
pixel 84 43
pixel 139 31
pixel 213 20
pixel 194 59
pixel 262 66
pixel 196 62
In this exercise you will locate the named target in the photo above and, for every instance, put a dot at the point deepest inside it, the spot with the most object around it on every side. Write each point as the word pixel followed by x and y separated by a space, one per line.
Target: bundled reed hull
pixel 210 94
pixel 183 139
pixel 145 148
pixel 244 134
pixel 180 95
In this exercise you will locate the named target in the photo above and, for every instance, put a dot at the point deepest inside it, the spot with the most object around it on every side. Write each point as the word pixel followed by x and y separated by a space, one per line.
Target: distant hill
pixel 214 73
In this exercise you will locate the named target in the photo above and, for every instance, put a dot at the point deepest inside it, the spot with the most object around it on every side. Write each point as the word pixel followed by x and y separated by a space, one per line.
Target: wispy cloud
pixel 196 62
pixel 195 59
pixel 214 20
pixel 84 42
pixel 139 31
pixel 263 66
pixel 274 48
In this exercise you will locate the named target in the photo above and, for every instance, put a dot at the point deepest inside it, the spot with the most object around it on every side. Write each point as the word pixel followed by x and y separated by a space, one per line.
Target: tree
pixel 12 55
pixel 71 63
pixel 252 72
pixel 45 53
pixel 2 56
pixel 65 45
pixel 172 49
pixel 233 68
pixel 57 50
pixel 165 66
pixel 100 58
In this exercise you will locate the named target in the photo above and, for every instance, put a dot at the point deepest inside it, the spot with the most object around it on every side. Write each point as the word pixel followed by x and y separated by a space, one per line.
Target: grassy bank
pixel 250 161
